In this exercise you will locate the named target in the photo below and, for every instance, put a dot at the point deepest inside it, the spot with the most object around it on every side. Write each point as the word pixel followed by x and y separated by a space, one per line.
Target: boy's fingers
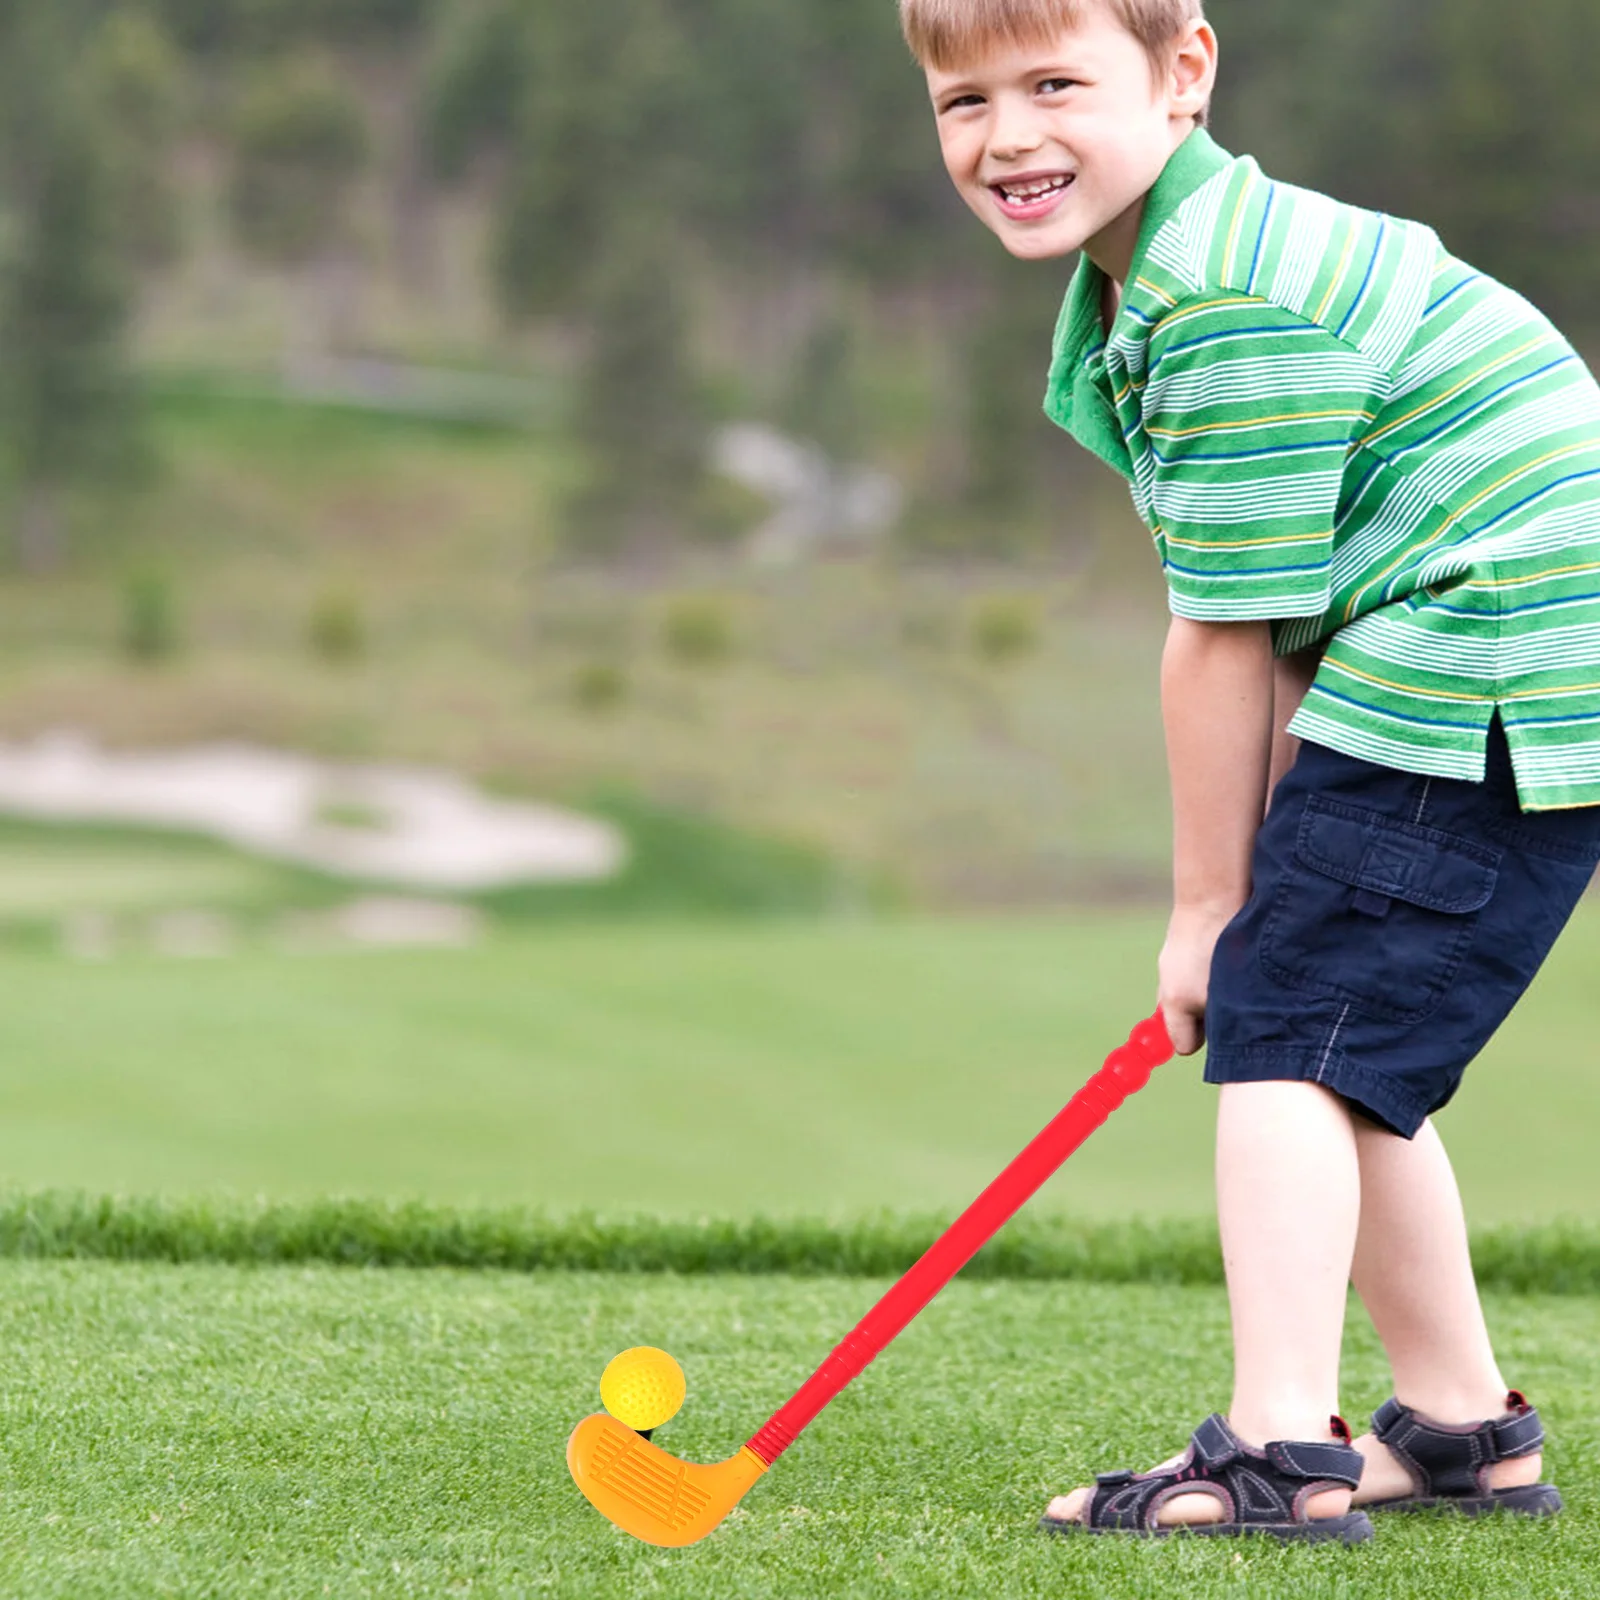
pixel 1184 1028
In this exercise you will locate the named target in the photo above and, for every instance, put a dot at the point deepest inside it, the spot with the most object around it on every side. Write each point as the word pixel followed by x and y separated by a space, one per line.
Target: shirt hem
pixel 1258 608
pixel 1463 759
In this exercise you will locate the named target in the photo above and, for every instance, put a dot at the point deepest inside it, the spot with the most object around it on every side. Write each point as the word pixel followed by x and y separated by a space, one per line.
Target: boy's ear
pixel 1193 75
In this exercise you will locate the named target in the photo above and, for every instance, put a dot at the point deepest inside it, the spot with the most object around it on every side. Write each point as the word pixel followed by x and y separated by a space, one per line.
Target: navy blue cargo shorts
pixel 1394 921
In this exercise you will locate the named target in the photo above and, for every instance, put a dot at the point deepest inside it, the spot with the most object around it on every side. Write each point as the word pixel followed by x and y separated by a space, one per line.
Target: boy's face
pixel 1055 146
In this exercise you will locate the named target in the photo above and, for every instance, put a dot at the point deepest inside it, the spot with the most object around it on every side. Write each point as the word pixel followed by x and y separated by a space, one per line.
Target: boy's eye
pixel 1057 85
pixel 963 102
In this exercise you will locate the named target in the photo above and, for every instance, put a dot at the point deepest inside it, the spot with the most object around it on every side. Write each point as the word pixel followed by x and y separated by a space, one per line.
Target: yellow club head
pixel 642 1388
pixel 647 1492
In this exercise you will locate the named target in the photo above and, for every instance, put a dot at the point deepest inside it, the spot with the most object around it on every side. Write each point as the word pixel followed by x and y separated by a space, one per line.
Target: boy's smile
pixel 1055 145
pixel 1031 195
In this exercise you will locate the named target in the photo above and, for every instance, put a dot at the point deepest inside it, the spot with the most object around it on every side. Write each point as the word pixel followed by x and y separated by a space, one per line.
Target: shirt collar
pixel 1080 334
pixel 1192 165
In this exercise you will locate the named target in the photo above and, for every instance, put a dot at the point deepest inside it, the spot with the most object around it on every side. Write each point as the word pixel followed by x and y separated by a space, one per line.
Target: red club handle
pixel 1126 1071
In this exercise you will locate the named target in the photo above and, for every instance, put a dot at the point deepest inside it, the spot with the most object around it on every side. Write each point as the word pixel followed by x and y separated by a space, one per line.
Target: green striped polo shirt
pixel 1331 424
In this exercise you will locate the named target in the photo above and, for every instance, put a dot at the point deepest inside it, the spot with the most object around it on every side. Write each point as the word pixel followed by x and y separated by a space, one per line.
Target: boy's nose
pixel 1015 132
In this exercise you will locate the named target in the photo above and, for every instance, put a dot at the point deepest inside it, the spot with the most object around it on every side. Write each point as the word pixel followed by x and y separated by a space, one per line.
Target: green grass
pixel 49 870
pixel 684 864
pixel 787 1068
pixel 289 1432
pixel 1556 1258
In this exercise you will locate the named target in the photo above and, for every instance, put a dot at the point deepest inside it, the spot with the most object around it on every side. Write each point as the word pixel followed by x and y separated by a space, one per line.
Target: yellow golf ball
pixel 642 1388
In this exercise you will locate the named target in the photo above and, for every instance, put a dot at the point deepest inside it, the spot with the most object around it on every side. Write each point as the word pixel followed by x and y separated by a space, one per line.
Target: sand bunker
pixel 407 826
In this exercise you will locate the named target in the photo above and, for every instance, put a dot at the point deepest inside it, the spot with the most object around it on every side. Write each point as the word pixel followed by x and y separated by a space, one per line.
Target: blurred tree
pixel 560 172
pixel 823 402
pixel 137 79
pixel 796 140
pixel 1469 115
pixel 760 132
pixel 1002 481
pixel 364 20
pixel 269 26
pixel 1515 142
pixel 67 401
pixel 896 219
pixel 604 135
pixel 202 25
pixel 300 146
pixel 475 85
pixel 640 418
pixel 1006 359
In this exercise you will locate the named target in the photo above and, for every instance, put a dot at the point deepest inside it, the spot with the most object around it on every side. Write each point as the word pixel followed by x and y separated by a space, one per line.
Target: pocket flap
pixel 1398 860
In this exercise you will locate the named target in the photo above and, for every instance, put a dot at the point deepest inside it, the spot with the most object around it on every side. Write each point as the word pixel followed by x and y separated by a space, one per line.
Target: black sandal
pixel 1261 1491
pixel 1450 1464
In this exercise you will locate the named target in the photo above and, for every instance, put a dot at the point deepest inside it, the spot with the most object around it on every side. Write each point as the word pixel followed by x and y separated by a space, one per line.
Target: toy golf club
pixel 664 1501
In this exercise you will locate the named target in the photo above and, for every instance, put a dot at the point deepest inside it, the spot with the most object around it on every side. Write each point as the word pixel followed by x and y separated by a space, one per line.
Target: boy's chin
pixel 1037 246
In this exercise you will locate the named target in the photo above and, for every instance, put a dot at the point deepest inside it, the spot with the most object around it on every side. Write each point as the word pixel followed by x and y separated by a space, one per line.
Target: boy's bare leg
pixel 1414 1275
pixel 1288 1201
pixel 1288 1204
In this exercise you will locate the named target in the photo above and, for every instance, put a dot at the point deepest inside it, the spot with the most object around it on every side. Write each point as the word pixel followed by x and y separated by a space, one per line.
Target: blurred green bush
pixel 336 630
pixel 150 628
pixel 1005 629
pixel 698 632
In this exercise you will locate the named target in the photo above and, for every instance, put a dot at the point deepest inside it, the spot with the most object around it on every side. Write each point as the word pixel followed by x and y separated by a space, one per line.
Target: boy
pixel 1373 480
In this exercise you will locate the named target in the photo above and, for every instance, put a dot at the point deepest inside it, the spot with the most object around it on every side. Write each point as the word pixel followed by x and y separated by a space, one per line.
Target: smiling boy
pixel 1372 475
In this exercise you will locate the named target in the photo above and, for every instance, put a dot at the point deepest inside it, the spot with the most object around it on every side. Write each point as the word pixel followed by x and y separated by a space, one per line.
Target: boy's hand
pixel 1185 972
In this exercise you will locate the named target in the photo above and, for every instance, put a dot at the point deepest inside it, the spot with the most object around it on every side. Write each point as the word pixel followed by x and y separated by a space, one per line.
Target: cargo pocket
pixel 1376 912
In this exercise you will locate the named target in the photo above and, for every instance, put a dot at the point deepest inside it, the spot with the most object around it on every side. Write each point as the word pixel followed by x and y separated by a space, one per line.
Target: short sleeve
pixel 1252 415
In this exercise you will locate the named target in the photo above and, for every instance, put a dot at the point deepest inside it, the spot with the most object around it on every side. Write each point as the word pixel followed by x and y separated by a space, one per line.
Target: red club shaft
pixel 1127 1070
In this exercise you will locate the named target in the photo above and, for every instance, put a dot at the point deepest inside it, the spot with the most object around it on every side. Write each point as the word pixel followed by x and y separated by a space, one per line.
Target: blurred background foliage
pixel 358 360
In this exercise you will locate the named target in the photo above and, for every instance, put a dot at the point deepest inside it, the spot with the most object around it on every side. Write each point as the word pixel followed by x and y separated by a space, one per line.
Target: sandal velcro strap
pixel 1215 1443
pixel 1453 1459
pixel 1334 1463
pixel 1267 1488
pixel 1518 1433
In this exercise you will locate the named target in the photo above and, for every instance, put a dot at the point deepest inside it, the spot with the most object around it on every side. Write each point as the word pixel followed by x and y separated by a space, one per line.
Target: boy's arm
pixel 1292 679
pixel 1217 681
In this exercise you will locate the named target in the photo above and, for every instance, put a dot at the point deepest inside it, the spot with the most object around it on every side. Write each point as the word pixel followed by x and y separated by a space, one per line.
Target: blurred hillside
pixel 662 212
pixel 362 357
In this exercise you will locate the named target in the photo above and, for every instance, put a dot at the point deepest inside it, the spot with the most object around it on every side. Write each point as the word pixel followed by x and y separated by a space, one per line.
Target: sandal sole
pixel 1531 1500
pixel 1356 1528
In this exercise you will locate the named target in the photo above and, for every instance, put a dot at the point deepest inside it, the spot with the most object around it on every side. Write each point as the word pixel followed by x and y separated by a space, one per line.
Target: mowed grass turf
pixel 787 1068
pixel 229 1432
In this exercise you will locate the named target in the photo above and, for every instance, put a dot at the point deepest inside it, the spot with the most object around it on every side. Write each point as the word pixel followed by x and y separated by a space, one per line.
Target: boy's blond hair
pixel 944 34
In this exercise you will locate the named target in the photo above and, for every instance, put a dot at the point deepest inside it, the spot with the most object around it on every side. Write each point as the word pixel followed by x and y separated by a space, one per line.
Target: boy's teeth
pixel 1032 191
